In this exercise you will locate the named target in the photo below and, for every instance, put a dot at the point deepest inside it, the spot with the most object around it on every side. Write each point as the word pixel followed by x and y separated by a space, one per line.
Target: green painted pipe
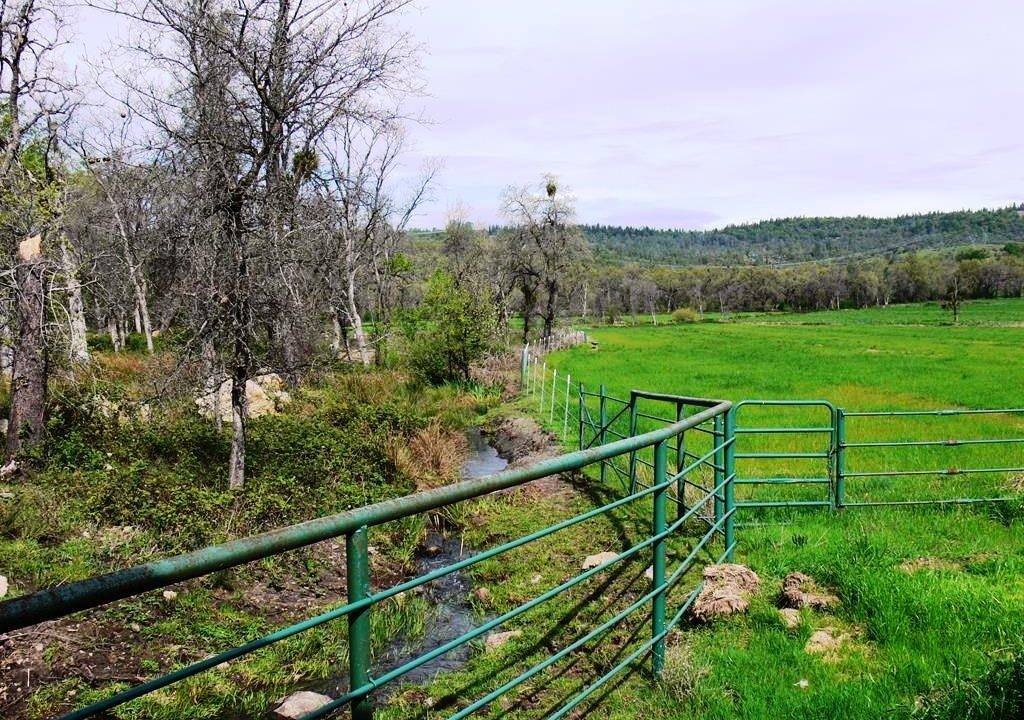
pixel 63 600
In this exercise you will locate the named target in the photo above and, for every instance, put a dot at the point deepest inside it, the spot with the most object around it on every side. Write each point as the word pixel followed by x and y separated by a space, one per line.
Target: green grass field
pixel 931 599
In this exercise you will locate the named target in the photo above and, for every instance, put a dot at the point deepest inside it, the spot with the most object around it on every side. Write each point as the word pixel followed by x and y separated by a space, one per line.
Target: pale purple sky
pixel 697 114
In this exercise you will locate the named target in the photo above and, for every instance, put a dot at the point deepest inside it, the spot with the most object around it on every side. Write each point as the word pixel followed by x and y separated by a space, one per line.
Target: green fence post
pixel 680 462
pixel 840 494
pixel 602 415
pixel 632 433
pixel 358 580
pixel 658 525
pixel 583 400
pixel 719 462
pixel 730 489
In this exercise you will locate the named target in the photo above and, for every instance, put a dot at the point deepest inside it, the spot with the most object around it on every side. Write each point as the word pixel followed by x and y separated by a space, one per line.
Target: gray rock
pixel 496 640
pixel 298 704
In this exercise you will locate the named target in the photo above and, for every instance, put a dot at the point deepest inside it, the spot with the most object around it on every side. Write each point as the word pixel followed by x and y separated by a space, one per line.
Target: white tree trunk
pixel 236 464
pixel 142 307
pixel 115 338
pixel 357 321
pixel 78 347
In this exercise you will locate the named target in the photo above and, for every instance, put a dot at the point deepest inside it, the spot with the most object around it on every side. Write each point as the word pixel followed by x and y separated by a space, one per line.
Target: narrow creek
pixel 451 613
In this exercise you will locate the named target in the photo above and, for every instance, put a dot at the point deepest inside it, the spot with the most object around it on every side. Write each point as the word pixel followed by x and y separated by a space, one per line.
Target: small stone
pixel 790 617
pixel 496 640
pixel 802 683
pixel 298 704
pixel 799 591
pixel 6 496
pixel 170 595
pixel 3 586
pixel 592 561
pixel 536 579
pixel 432 550
pixel 482 594
pixel 135 627
pixel 649 574
pixel 824 641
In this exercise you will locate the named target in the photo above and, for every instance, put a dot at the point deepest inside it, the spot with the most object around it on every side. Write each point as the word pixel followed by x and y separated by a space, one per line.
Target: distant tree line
pixel 804 238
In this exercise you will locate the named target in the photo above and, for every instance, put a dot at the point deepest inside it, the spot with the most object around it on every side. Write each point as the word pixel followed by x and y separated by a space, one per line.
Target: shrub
pixel 453 329
pixel 685 315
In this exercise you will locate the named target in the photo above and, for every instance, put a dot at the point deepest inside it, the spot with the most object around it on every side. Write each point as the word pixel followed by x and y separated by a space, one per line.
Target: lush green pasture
pixel 1005 312
pixel 931 599
pixel 853 364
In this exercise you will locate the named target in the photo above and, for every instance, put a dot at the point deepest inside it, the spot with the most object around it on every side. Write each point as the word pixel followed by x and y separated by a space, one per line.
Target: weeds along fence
pixel 607 597
pixel 798 453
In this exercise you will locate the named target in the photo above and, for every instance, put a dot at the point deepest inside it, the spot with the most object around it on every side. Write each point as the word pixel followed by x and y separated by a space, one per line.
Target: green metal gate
pixel 889 469
pixel 781 466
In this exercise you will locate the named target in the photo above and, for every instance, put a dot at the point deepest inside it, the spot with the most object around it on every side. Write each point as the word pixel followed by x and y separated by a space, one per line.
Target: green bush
pixel 454 327
pixel 685 315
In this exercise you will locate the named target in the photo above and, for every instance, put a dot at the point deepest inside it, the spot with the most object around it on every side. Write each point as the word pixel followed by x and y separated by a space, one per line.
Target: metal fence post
pixel 680 463
pixel 565 416
pixel 632 433
pixel 840 494
pixel 719 463
pixel 730 488
pixel 603 419
pixel 358 580
pixel 658 525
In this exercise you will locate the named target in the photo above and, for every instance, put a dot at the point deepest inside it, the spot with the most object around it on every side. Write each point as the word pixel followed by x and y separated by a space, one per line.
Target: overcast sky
pixel 693 113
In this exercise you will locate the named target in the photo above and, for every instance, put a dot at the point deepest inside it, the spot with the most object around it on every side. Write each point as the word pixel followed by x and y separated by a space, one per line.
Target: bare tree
pixel 246 92
pixel 546 244
pixel 35 103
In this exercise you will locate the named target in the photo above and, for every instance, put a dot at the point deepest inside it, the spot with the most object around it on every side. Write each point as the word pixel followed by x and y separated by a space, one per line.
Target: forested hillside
pixel 800 239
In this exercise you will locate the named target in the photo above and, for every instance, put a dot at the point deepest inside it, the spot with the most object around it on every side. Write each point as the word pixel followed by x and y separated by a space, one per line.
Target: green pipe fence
pixel 632 438
pixel 817 459
pixel 356 526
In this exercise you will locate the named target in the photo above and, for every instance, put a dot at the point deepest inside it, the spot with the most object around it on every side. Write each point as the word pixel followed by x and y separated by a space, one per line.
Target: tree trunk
pixel 28 380
pixel 359 332
pixel 336 332
pixel 78 346
pixel 142 307
pixel 239 410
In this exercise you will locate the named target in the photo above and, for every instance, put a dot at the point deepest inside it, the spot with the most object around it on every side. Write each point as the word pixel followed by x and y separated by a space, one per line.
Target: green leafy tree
pixel 455 328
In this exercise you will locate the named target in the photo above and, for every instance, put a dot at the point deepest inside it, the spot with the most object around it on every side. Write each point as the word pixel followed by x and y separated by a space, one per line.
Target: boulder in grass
pixel 299 704
pixel 800 591
pixel 592 561
pixel 496 640
pixel 726 590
